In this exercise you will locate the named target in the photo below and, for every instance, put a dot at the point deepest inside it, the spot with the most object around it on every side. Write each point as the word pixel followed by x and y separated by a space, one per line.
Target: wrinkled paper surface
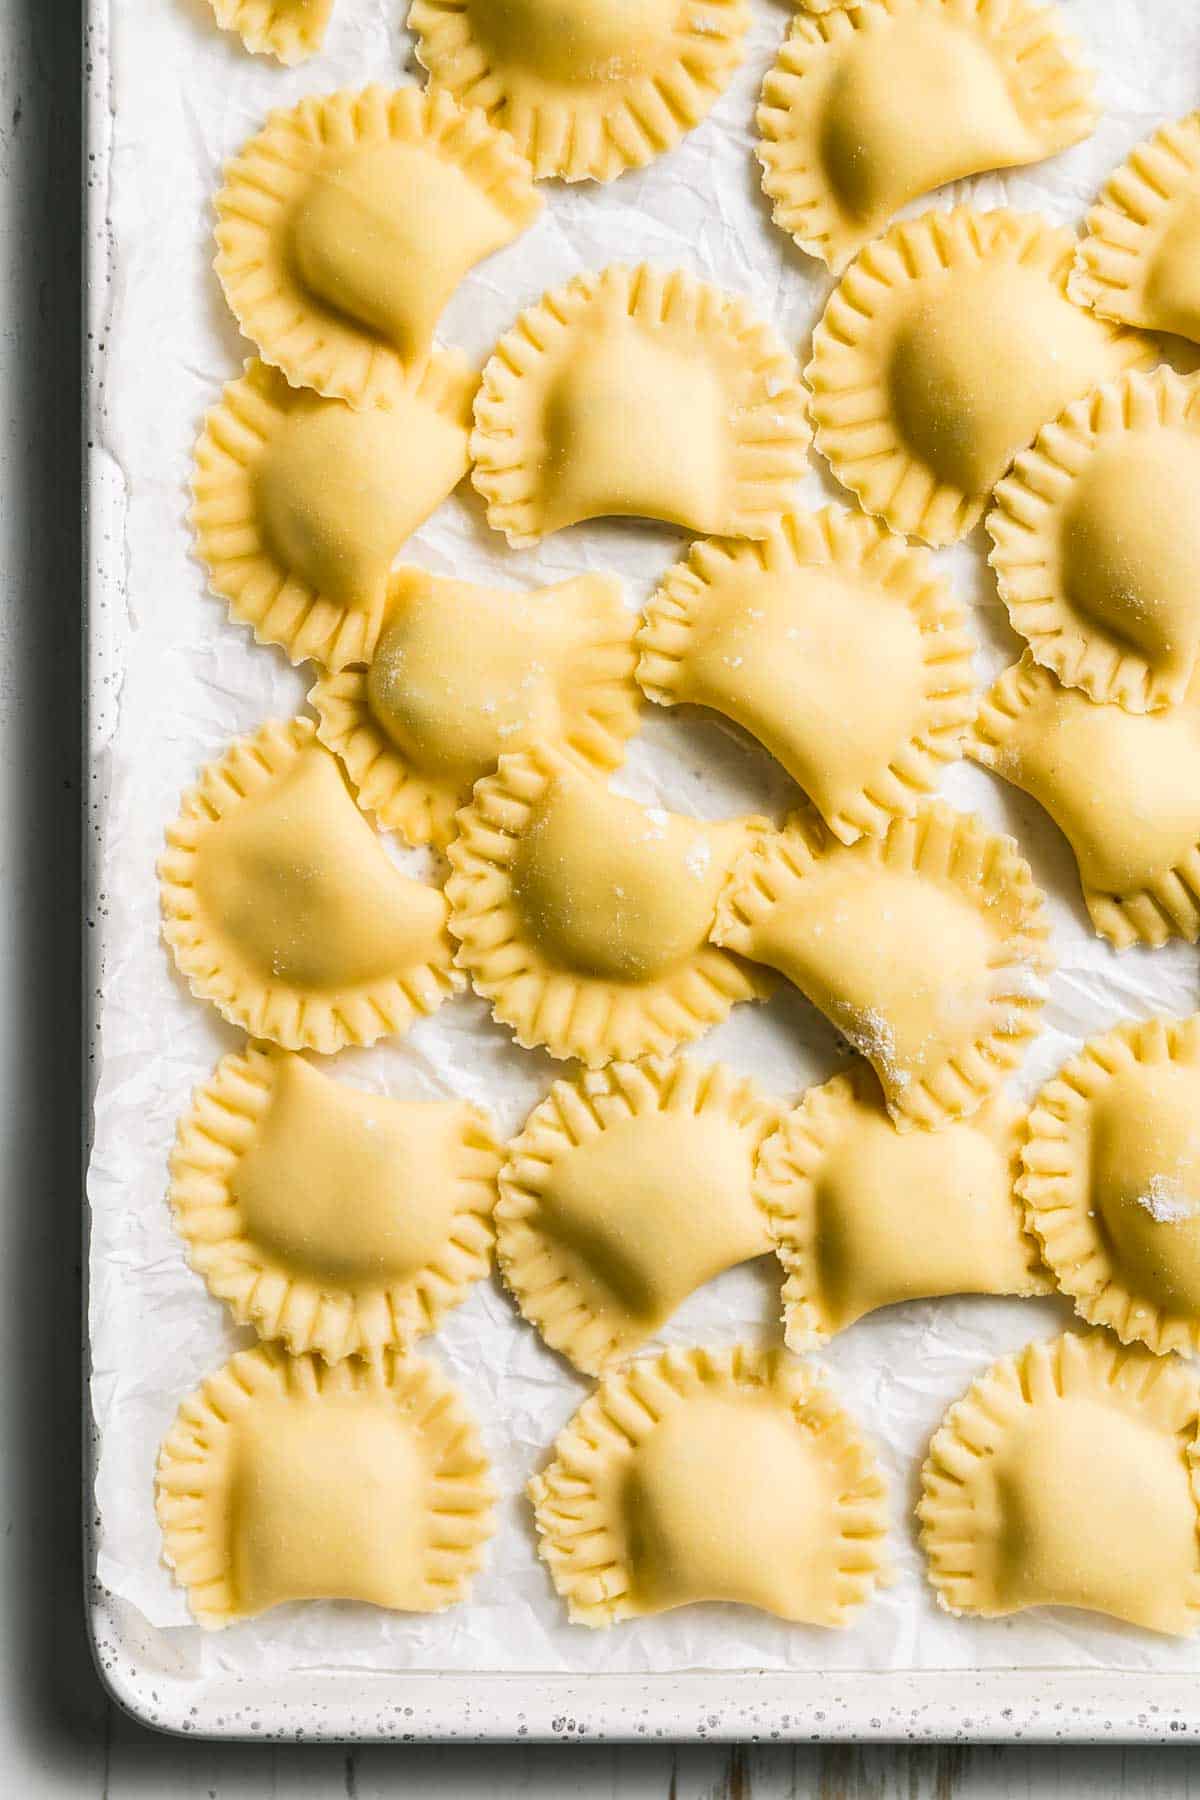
pixel 178 681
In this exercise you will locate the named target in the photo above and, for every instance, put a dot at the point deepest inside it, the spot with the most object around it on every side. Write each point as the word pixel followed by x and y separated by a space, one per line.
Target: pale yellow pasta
pixel 283 1478
pixel 835 644
pixel 926 947
pixel 332 1219
pixel 712 1475
pixel 584 918
pixel 865 1216
pixel 1111 1181
pixel 1124 788
pixel 460 675
pixel 869 106
pixel 1139 261
pixel 300 504
pixel 281 906
pixel 947 344
pixel 345 226
pixel 642 392
pixel 624 1192
pixel 1096 538
pixel 288 29
pixel 1067 1476
pixel 590 90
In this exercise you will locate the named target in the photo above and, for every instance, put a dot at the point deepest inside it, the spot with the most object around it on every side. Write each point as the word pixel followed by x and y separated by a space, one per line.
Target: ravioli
pixel 587 88
pixel 869 107
pixel 624 1192
pixel 864 1216
pixel 345 226
pixel 1096 540
pixel 584 917
pixel 1111 1181
pixel 1066 1476
pixel 639 392
pixel 945 347
pixel 461 675
pixel 300 505
pixel 833 643
pixel 283 1479
pixel 712 1475
pixel 281 906
pixel 1124 789
pixel 335 1220
pixel 290 30
pixel 925 947
pixel 1139 261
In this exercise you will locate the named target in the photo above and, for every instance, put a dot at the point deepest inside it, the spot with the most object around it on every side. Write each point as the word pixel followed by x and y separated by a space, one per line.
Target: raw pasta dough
pixel 624 1192
pixel 870 106
pixel 1067 1476
pixel 1111 1181
pixel 281 906
pixel 1139 261
pixel 285 1479
pixel 344 227
pixel 865 1216
pixel 644 392
pixel 925 947
pixel 712 1475
pixel 1096 541
pixel 461 675
pixel 335 1220
pixel 948 343
pixel 587 88
pixel 835 644
pixel 585 918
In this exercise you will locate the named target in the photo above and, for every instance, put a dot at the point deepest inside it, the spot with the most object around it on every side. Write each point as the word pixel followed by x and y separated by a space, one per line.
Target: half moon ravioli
pixel 284 1478
pixel 584 917
pixel 925 947
pixel 1096 541
pixel 864 1216
pixel 625 1192
pixel 1066 1476
pixel 288 29
pixel 344 227
pixel 833 643
pixel 302 504
pixel 1139 261
pixel 1123 788
pixel 590 88
pixel 339 1221
pixel 869 107
pixel 460 675
pixel 1111 1181
pixel 281 906
pixel 642 392
pixel 947 344
pixel 712 1475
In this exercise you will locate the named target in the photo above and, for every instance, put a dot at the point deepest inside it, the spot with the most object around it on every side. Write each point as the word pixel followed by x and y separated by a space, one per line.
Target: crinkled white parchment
pixel 183 681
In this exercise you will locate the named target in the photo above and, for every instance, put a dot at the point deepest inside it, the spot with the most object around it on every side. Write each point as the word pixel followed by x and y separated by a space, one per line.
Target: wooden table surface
pixel 59 1735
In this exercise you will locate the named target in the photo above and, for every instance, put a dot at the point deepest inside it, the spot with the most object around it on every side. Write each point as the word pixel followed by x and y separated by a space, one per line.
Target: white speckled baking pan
pixel 168 99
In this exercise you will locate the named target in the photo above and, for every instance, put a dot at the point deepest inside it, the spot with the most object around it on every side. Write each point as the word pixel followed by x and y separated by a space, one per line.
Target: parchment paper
pixel 184 97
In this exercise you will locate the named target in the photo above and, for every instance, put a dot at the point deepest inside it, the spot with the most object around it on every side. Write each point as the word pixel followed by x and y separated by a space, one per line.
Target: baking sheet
pixel 174 680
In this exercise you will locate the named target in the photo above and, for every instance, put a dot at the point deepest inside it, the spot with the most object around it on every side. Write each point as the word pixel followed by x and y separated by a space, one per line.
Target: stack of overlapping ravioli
pixel 969 364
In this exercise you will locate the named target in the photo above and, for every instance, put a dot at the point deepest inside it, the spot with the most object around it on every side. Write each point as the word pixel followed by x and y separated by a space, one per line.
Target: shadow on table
pixel 55 1712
